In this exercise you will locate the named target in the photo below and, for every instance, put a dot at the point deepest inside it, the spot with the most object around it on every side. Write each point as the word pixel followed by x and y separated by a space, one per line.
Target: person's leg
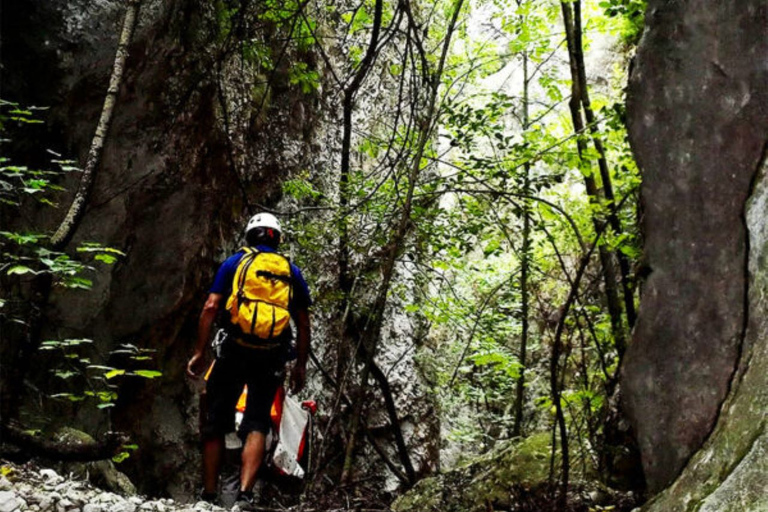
pixel 263 382
pixel 253 456
pixel 225 383
pixel 213 449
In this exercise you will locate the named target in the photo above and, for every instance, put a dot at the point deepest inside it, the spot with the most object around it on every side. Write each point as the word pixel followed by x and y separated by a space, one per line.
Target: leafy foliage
pixel 25 255
pixel 504 152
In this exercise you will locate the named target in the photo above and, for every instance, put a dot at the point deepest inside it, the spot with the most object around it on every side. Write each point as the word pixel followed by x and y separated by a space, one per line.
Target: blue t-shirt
pixel 222 284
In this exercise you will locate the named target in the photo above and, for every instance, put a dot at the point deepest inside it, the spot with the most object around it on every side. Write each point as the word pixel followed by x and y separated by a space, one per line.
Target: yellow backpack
pixel 261 292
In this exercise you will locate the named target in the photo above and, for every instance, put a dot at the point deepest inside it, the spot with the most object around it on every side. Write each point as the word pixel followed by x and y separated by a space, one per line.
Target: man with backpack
pixel 256 293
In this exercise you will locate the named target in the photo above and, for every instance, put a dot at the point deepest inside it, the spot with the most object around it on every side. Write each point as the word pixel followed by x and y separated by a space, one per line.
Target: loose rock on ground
pixel 27 488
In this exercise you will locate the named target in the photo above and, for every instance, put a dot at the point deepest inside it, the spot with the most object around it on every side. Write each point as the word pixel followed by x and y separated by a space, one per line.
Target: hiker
pixel 254 295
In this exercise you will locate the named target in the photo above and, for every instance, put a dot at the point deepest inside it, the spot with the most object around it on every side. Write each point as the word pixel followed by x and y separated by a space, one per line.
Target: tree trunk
pixel 606 260
pixel 525 259
pixel 602 163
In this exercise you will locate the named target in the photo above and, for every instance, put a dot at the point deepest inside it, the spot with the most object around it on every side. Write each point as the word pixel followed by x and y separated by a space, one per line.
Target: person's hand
pixel 298 378
pixel 195 365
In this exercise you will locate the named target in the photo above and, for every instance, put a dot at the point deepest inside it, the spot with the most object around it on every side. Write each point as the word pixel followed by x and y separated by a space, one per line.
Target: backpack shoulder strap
pixel 249 254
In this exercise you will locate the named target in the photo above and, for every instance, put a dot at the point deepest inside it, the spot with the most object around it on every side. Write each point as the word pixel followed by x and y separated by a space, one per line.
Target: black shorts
pixel 263 371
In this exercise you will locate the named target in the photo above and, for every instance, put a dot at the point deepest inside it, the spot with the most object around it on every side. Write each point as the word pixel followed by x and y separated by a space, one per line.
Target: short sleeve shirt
pixel 222 283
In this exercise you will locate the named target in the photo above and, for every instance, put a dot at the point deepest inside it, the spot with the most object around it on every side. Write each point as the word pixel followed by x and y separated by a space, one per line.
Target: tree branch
pixel 107 448
pixel 69 225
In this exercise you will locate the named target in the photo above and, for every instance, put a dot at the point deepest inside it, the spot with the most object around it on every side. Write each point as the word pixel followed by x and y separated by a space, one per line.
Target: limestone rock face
pixel 188 151
pixel 200 132
pixel 730 473
pixel 698 125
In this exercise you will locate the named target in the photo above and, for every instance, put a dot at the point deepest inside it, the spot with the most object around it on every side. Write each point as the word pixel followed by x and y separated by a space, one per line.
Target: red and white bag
pixel 291 422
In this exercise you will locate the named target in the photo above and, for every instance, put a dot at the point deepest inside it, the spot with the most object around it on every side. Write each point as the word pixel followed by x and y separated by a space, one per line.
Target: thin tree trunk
pixel 377 448
pixel 609 274
pixel 602 161
pixel 345 281
pixel 517 429
pixel 69 225
pixel 554 370
pixel 389 403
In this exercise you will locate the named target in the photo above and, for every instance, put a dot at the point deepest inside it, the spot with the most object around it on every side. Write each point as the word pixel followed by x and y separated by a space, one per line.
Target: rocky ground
pixel 29 488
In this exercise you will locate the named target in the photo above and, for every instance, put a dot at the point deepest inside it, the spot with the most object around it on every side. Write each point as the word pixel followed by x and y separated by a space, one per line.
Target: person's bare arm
pixel 207 316
pixel 303 340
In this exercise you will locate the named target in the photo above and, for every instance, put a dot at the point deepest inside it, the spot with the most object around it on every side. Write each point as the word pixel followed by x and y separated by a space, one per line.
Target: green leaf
pixel 22 238
pixel 64 374
pixel 114 373
pixel 147 374
pixel 120 457
pixel 78 283
pixel 19 270
pixel 105 258
pixel 69 396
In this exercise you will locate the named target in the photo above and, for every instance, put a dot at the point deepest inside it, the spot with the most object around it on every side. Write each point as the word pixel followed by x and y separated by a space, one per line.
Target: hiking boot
pixel 246 501
pixel 208 497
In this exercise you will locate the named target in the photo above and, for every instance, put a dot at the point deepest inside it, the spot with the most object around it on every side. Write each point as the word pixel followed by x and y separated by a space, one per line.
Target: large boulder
pixel 730 473
pixel 698 123
pixel 514 475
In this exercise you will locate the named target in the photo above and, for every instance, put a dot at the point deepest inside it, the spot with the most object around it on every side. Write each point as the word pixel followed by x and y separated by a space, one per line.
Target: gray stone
pixel 124 506
pixel 9 501
pixel 46 503
pixel 92 507
pixel 697 122
pixel 63 505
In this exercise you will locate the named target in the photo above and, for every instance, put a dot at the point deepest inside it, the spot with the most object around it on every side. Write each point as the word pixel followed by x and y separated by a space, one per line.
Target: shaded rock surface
pixel 185 157
pixel 698 123
pixel 730 473
pixel 200 137
pixel 101 473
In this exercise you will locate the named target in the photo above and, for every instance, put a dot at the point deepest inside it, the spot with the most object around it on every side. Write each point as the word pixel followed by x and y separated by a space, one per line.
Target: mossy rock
pixel 101 473
pixel 493 478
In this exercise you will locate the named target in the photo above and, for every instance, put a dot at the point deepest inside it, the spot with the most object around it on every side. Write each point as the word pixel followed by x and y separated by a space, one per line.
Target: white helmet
pixel 264 220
